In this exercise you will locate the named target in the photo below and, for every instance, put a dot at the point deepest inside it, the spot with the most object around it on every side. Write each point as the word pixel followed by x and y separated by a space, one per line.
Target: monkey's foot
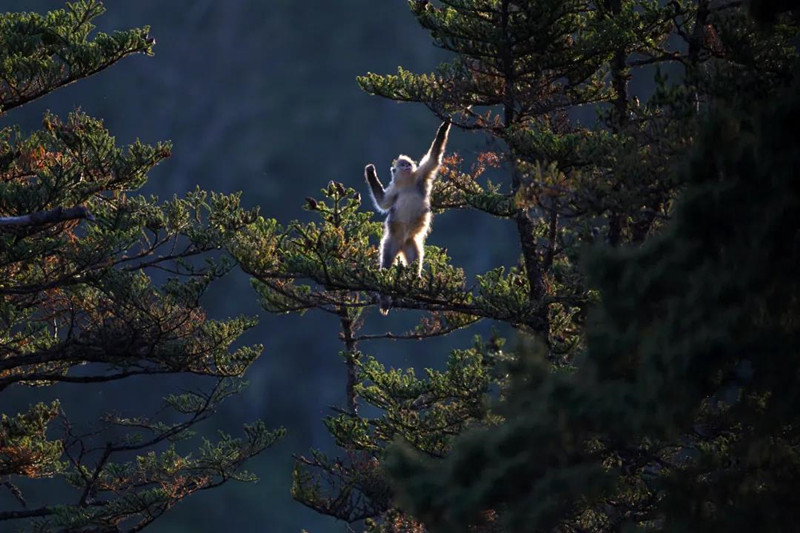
pixel 385 304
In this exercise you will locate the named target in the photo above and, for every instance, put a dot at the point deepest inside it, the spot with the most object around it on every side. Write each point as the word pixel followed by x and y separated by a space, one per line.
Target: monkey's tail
pixel 385 304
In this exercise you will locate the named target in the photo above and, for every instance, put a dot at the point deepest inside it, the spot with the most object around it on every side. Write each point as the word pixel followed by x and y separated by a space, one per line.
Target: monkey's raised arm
pixel 378 193
pixel 430 162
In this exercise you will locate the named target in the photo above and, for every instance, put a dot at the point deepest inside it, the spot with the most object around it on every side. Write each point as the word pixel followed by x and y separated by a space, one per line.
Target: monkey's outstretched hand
pixel 376 188
pixel 369 173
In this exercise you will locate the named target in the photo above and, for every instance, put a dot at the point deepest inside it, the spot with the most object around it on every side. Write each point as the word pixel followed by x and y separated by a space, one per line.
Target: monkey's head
pixel 403 167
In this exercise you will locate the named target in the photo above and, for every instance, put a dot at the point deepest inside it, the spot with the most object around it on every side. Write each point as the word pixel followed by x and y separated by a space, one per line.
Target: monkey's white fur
pixel 407 200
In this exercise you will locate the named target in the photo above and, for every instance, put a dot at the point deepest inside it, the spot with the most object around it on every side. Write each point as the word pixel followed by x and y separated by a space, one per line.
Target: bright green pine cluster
pixel 425 412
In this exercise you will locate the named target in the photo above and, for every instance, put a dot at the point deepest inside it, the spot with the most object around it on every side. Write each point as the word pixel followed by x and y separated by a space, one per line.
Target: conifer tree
pixel 524 74
pixel 79 304
pixel 681 415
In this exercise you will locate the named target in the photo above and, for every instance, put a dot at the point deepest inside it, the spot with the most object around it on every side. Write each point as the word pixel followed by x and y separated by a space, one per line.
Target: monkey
pixel 407 202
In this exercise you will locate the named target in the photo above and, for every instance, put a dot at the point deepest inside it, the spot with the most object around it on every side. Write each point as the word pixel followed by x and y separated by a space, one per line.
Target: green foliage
pixel 100 304
pixel 426 413
pixel 590 431
pixel 153 482
pixel 99 284
pixel 39 53
pixel 494 41
pixel 24 446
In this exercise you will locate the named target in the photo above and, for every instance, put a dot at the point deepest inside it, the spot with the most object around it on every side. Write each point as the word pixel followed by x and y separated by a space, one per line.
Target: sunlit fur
pixel 407 201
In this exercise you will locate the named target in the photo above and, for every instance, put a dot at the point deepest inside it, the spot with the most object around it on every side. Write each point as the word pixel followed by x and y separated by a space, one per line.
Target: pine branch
pixel 51 216
pixel 15 492
pixel 415 336
pixel 15 515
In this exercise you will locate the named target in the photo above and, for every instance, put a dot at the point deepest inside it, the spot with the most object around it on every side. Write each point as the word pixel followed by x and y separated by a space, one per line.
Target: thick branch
pixel 352 356
pixel 552 234
pixel 15 492
pixel 32 513
pixel 59 214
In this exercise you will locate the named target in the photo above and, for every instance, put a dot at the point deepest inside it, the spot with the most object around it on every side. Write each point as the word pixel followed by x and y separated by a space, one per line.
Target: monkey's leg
pixel 389 250
pixel 402 258
pixel 390 247
pixel 414 251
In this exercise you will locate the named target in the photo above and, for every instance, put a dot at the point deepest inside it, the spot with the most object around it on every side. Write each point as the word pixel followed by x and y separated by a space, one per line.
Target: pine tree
pixel 524 71
pixel 81 257
pixel 524 74
pixel 681 414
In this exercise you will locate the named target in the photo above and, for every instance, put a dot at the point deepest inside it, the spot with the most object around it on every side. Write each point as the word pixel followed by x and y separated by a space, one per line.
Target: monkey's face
pixel 402 167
